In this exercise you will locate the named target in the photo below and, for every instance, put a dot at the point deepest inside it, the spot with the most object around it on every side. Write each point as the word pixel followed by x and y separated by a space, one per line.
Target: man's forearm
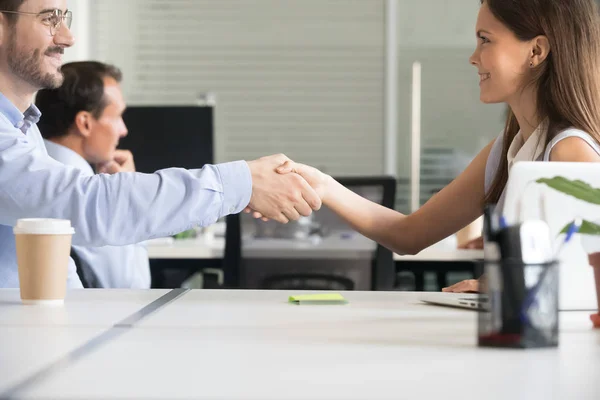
pixel 119 209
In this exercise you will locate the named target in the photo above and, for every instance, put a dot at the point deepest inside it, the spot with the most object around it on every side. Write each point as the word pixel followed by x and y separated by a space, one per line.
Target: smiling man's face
pixel 32 53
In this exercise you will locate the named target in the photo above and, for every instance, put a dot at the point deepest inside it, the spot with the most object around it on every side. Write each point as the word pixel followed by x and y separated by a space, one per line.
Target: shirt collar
pixel 529 150
pixel 67 156
pixel 32 114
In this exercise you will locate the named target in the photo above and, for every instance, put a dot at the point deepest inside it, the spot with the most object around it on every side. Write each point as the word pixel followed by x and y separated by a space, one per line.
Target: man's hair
pixel 10 5
pixel 82 90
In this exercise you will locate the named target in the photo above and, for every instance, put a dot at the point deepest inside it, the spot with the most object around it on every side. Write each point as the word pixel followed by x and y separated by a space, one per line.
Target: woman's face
pixel 502 60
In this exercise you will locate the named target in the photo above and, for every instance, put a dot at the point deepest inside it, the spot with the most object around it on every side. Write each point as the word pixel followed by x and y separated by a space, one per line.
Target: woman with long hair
pixel 541 58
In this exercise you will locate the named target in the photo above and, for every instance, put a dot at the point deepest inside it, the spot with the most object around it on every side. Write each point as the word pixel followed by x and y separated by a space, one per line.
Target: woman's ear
pixel 540 50
pixel 84 123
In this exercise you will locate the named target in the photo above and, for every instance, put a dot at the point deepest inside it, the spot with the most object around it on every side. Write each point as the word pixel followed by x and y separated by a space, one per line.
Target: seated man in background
pixel 81 124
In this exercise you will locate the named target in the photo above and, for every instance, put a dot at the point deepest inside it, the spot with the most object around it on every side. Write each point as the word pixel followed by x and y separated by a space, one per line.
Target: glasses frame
pixel 66 17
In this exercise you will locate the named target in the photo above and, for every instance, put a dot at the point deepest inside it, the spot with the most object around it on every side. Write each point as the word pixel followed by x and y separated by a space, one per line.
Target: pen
pixel 529 300
pixel 572 230
pixel 502 222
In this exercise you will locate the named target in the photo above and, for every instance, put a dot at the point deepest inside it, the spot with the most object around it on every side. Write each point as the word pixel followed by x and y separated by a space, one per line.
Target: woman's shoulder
pixel 572 144
pixel 572 132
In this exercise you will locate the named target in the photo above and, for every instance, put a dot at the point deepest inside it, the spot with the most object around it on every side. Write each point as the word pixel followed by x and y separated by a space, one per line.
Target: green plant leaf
pixel 587 228
pixel 578 189
pixel 190 233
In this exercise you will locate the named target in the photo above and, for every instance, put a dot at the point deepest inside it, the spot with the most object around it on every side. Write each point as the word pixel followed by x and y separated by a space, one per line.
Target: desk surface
pixel 254 345
pixel 203 248
pixel 32 337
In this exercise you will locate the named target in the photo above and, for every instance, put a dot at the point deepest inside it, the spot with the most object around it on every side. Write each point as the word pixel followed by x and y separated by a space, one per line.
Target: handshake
pixel 283 190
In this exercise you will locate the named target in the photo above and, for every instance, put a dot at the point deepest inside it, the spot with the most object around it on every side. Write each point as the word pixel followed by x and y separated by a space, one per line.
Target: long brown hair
pixel 568 81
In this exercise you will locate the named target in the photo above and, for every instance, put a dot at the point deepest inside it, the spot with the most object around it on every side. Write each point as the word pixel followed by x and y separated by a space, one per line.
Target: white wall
pixel 438 33
pixel 428 24
pixel 303 77
pixel 81 30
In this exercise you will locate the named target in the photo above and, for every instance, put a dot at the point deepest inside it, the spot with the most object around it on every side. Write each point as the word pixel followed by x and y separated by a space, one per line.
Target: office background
pixel 318 91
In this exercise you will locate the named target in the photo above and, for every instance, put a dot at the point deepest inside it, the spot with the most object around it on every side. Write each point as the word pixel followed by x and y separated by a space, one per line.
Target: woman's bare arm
pixel 451 209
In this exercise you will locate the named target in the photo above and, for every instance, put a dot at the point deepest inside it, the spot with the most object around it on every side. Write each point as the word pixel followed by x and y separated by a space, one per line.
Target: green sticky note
pixel 321 298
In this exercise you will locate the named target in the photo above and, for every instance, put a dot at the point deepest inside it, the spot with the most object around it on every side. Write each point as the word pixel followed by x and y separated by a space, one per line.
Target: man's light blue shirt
pixel 114 266
pixel 114 210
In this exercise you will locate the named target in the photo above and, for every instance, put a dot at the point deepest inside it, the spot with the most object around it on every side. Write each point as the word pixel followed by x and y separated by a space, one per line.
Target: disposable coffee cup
pixel 43 249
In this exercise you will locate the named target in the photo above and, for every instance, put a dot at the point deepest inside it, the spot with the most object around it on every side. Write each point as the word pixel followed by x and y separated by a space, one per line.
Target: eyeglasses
pixel 52 19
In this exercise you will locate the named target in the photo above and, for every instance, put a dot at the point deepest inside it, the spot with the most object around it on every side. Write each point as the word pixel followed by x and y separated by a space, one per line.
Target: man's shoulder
pixel 67 156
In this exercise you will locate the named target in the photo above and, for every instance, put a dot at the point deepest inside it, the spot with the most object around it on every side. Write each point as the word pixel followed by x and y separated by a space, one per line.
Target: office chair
pixel 86 274
pixel 232 258
pixel 384 268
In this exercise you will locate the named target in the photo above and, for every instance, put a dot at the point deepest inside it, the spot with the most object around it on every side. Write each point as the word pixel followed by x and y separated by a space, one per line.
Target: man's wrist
pixel 236 180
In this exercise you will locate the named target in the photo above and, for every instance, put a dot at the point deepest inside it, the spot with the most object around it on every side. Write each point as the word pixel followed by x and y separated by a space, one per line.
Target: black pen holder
pixel 521 305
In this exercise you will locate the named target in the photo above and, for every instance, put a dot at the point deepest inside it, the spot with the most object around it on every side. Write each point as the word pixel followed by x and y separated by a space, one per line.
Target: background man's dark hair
pixel 82 90
pixel 10 5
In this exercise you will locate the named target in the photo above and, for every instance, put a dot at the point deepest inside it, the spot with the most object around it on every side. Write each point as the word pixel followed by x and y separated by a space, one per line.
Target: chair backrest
pixel 256 258
pixel 84 271
pixel 384 269
pixel 232 258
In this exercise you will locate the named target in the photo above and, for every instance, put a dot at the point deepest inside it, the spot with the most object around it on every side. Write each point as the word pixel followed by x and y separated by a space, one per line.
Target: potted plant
pixel 589 229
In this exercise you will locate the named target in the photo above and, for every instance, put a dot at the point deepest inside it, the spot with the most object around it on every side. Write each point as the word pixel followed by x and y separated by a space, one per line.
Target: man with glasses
pixel 52 18
pixel 106 209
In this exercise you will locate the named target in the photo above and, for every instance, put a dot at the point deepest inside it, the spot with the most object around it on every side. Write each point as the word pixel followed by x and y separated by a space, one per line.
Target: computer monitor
pixel 169 136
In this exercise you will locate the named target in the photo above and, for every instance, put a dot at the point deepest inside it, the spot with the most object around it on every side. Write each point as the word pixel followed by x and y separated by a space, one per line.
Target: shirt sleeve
pixel 117 209
pixel 73 281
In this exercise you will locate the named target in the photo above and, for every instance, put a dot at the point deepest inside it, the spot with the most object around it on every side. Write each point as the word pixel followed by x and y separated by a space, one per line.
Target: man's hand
pixel 315 178
pixel 281 197
pixel 122 162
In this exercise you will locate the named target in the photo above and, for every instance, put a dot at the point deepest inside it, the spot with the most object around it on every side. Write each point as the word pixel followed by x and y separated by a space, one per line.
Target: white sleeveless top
pixel 532 150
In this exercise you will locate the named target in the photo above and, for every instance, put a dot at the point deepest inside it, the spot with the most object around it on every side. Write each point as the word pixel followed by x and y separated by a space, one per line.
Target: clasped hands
pixel 283 190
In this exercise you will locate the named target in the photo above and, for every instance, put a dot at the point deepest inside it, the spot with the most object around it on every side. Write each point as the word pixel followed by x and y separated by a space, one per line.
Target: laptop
pixel 527 199
pixel 470 301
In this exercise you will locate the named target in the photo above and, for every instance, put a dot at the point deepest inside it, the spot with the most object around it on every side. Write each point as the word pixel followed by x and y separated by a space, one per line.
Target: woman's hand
pixel 467 286
pixel 315 178
pixel 596 320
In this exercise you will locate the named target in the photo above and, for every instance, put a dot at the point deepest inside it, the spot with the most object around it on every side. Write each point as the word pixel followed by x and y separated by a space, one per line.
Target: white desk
pixel 433 254
pixel 253 345
pixel 32 337
pixel 196 249
pixel 202 248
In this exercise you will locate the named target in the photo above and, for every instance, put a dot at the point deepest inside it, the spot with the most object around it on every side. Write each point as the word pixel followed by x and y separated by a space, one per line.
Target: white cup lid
pixel 43 226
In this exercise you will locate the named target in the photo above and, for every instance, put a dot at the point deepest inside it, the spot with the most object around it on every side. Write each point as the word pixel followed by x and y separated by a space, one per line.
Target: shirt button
pixel 232 210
